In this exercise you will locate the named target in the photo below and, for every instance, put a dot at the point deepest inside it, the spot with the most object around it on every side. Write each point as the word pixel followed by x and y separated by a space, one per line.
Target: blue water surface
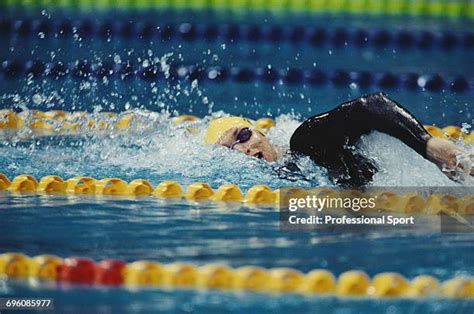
pixel 206 233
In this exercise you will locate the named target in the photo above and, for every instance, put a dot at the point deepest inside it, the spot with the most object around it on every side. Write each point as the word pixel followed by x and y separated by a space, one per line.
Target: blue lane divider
pixel 82 69
pixel 315 35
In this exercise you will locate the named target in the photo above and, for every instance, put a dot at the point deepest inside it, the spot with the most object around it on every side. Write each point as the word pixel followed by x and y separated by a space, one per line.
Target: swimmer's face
pixel 250 142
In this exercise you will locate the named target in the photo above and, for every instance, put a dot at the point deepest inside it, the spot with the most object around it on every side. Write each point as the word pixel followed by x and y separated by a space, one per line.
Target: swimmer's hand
pixel 450 158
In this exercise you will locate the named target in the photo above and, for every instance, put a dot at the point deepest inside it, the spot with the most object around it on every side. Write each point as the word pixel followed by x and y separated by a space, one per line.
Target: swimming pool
pixel 148 67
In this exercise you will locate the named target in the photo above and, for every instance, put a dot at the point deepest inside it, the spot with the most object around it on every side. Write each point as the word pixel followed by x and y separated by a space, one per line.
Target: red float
pixel 78 270
pixel 110 272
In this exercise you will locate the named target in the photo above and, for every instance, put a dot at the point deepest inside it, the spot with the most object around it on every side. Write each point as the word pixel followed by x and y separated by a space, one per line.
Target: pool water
pixel 204 233
pixel 156 149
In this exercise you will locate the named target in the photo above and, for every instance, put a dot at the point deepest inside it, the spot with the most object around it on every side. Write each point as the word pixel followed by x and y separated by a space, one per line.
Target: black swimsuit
pixel 329 138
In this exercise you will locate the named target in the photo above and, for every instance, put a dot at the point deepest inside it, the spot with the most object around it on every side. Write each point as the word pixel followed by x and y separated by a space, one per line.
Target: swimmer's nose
pixel 255 153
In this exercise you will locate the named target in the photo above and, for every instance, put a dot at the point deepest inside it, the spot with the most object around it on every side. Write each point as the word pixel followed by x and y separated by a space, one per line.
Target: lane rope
pixel 145 273
pixel 313 35
pixel 258 195
pixel 432 8
pixel 83 69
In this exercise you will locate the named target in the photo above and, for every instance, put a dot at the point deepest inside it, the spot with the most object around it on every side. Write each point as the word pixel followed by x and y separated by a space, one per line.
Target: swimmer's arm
pixel 327 137
pixel 380 113
pixel 449 157
pixel 385 115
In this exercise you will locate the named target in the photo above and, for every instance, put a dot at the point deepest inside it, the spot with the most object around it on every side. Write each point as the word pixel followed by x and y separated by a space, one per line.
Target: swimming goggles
pixel 243 136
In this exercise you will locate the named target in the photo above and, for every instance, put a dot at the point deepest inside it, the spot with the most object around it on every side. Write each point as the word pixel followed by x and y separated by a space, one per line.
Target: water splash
pixel 405 167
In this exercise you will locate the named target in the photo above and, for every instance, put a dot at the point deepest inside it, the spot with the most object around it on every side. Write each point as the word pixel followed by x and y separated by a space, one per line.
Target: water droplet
pixel 422 81
pixel 37 99
pixel 213 74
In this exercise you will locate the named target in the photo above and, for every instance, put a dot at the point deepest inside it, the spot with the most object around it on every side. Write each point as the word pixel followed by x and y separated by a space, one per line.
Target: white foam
pixel 399 165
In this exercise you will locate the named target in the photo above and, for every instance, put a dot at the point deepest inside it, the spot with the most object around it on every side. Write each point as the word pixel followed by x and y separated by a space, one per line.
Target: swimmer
pixel 329 139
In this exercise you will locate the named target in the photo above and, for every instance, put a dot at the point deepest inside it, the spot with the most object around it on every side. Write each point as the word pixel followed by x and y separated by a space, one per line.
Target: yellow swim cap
pixel 218 127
